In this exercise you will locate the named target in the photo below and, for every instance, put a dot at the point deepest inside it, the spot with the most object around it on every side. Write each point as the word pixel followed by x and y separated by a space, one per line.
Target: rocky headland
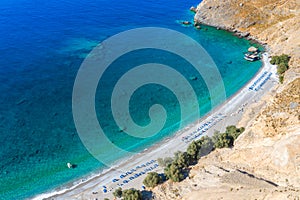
pixel 273 22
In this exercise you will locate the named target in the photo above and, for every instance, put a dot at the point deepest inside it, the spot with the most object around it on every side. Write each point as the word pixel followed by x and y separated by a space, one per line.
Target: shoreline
pixel 58 193
pixel 231 108
pixel 235 32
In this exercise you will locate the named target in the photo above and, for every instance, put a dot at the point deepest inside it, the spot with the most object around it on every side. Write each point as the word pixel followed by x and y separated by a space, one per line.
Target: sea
pixel 42 46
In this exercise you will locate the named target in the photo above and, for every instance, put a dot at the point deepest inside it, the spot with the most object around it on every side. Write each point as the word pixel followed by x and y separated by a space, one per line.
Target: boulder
pixel 193 9
pixel 252 49
pixel 186 23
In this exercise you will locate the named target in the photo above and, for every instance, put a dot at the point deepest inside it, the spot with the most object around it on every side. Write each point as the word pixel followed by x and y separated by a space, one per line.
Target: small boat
pixel 69 165
pixel 251 57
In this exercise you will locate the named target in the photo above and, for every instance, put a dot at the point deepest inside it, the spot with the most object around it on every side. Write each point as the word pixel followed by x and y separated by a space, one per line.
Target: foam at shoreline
pixel 37 124
pixel 234 101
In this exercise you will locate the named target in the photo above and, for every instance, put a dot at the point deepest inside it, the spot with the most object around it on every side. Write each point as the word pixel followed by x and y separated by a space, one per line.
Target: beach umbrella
pixel 252 49
pixel 104 190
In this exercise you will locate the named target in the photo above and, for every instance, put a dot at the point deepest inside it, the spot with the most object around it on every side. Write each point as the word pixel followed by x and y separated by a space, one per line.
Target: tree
pixel 176 155
pixel 199 143
pixel 281 68
pixel 182 160
pixel 280 59
pixel 225 140
pixel 275 60
pixel 192 151
pixel 152 179
pixel 174 172
pixel 222 140
pixel 281 77
pixel 132 194
pixel 118 192
pixel 206 146
pixel 282 63
pixel 284 59
pixel 234 131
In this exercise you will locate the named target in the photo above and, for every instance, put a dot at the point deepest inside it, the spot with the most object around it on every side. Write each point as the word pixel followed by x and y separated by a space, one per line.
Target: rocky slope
pixel 275 22
pixel 265 162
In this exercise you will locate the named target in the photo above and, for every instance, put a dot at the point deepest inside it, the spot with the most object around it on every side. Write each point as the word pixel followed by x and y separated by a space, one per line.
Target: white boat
pixel 251 57
pixel 69 165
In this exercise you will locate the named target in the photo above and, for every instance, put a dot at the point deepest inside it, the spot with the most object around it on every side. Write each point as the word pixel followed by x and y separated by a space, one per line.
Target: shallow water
pixel 42 47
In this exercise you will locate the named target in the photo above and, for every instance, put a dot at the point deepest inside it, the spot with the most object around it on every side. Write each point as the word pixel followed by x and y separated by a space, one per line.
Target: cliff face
pixel 265 162
pixel 277 23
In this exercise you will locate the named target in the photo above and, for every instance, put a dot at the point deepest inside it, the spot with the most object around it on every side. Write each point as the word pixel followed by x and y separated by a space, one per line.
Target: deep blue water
pixel 42 45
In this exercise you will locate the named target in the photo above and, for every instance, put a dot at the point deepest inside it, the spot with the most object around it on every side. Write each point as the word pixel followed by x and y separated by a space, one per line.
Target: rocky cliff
pixel 265 162
pixel 275 22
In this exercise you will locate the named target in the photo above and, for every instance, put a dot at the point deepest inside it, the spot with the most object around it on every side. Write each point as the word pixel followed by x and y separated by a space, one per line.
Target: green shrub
pixel 132 194
pixel 276 60
pixel 282 63
pixel 182 159
pixel 281 68
pixel 118 192
pixel 222 140
pixel 152 179
pixel 174 167
pixel 225 140
pixel 234 131
pixel 174 173
pixel 281 78
pixel 205 146
pixel 193 151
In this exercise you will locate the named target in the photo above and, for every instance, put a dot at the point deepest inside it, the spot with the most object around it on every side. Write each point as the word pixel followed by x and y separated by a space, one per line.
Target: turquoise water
pixel 42 47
